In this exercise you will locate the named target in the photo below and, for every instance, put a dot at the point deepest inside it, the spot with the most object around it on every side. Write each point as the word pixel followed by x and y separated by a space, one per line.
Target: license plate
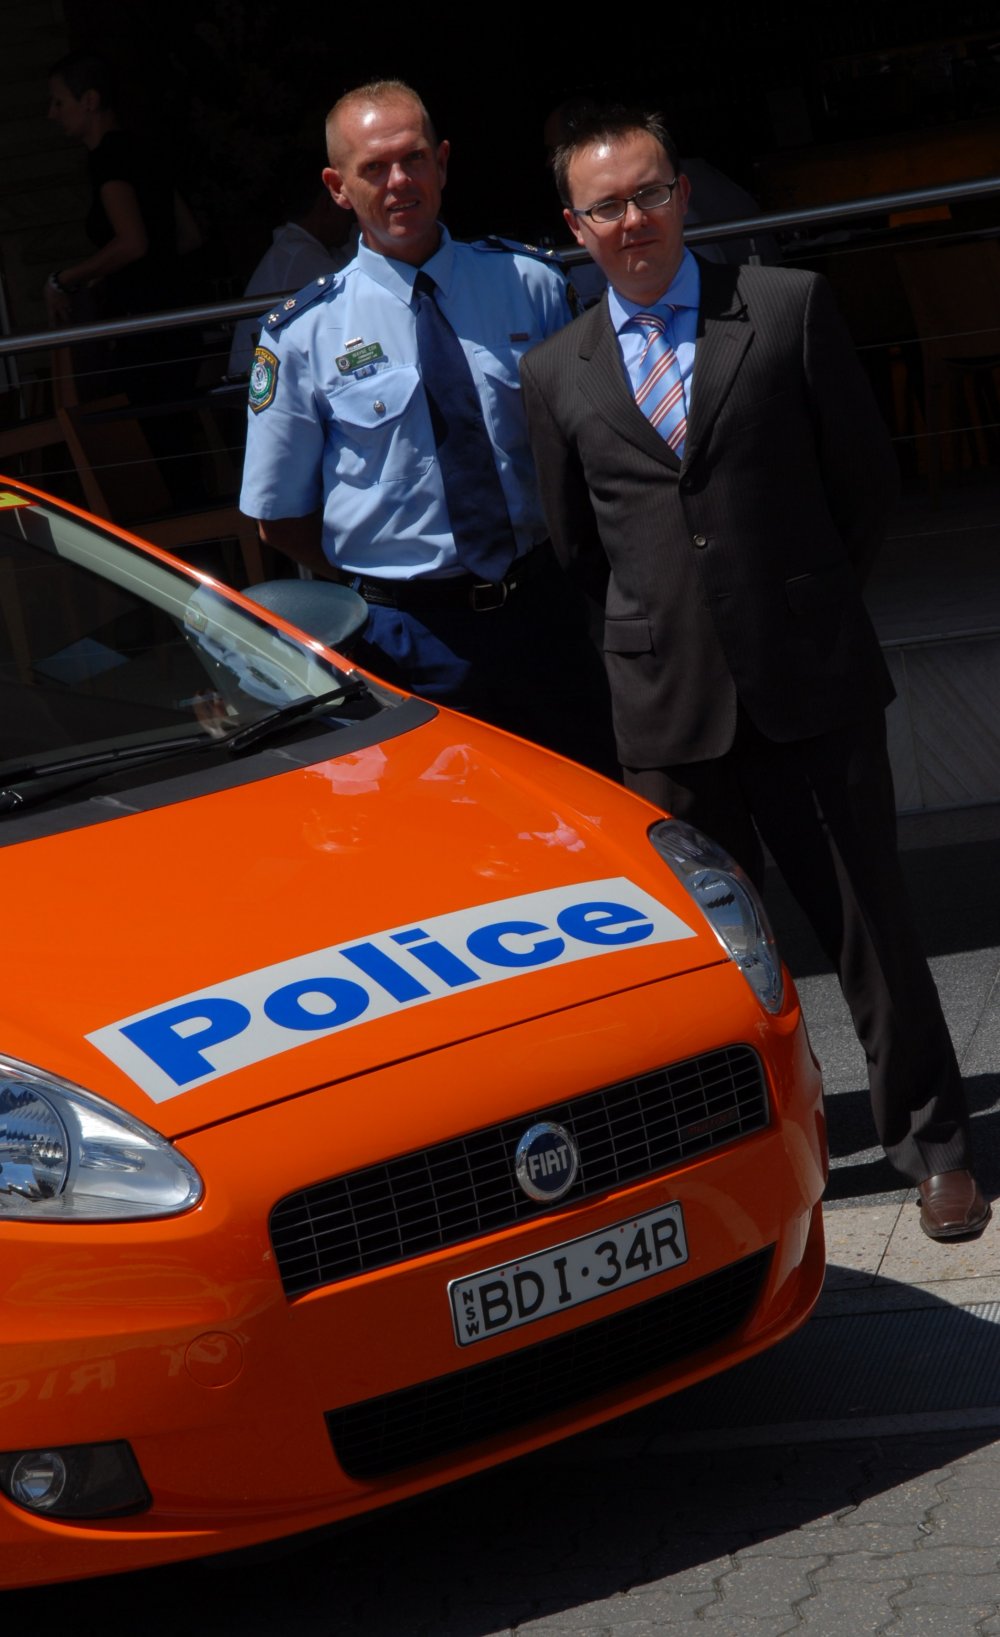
pixel 503 1298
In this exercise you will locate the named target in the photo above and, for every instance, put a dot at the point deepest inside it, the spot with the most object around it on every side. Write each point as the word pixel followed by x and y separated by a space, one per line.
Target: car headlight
pixel 67 1154
pixel 729 902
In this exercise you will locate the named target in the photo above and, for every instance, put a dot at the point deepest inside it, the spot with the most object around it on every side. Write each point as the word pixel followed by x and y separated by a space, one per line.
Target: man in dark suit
pixel 715 471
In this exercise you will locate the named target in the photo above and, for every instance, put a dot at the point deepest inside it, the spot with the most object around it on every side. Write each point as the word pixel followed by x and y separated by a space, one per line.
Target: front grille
pixel 466 1187
pixel 386 1434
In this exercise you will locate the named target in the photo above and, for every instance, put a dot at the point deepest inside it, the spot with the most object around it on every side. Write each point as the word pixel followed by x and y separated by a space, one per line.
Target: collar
pixel 684 290
pixel 398 276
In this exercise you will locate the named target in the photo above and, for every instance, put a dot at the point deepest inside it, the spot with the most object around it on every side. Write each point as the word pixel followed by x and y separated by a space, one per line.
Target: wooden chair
pixel 43 431
pixel 122 482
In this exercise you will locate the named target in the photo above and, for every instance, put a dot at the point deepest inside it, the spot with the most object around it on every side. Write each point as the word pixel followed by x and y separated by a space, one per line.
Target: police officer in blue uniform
pixel 387 447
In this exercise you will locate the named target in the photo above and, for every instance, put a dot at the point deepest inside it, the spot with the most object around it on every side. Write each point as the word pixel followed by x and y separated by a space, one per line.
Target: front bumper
pixel 178 1337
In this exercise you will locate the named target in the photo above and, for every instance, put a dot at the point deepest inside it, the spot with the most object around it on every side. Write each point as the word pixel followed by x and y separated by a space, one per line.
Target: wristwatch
pixel 56 283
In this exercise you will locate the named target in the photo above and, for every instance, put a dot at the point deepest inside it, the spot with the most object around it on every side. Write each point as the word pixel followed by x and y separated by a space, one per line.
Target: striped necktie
pixel 660 393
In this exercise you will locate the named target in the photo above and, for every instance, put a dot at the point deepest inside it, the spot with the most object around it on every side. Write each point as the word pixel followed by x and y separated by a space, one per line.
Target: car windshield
pixel 105 647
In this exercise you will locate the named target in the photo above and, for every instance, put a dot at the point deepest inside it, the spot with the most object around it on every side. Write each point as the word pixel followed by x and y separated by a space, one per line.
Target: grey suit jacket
pixel 735 574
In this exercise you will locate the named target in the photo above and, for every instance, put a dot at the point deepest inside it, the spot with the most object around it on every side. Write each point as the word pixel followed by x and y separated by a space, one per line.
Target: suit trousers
pixel 825 808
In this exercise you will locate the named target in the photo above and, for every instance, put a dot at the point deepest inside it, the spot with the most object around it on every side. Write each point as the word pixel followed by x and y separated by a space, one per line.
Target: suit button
pixel 700 540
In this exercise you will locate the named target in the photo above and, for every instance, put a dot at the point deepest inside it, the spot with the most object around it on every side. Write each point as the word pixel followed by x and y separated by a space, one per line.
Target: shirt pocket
pixel 380 427
pixel 500 387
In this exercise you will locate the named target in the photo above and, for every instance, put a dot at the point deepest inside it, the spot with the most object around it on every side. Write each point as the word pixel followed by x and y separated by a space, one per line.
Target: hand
pixel 57 303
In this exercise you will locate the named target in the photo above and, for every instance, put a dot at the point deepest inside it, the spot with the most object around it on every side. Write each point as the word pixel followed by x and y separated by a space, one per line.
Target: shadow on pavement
pixel 850 1131
pixel 953 891
pixel 622 1525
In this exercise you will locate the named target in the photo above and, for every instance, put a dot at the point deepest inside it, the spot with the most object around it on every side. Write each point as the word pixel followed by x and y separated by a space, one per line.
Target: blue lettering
pixel 181 1055
pixel 436 958
pixel 384 971
pixel 285 1006
pixel 487 944
pixel 602 923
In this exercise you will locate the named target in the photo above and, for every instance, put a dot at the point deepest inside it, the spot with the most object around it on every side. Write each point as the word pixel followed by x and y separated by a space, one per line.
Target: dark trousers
pixel 825 808
pixel 527 666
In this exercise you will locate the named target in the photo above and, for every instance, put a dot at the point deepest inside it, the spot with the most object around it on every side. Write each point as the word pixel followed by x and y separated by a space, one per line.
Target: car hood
pixel 225 952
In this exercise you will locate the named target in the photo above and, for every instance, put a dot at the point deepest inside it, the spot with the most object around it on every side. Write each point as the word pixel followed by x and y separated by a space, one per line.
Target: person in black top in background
pixel 139 227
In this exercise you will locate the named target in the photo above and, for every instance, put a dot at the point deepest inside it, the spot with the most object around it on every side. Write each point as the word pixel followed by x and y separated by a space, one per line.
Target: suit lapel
pixel 606 386
pixel 725 331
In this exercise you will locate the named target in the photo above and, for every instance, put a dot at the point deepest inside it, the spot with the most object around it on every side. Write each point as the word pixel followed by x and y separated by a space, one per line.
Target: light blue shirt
pixel 346 427
pixel 684 293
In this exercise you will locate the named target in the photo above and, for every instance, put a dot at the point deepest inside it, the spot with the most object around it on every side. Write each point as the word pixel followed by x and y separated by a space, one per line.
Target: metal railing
pixel 193 442
pixel 963 542
pixel 744 227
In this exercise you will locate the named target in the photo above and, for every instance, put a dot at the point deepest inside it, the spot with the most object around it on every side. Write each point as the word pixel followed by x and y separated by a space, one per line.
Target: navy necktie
pixel 480 523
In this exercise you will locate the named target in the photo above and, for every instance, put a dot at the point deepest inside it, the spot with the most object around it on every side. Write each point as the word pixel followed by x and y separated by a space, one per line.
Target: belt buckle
pixel 485 596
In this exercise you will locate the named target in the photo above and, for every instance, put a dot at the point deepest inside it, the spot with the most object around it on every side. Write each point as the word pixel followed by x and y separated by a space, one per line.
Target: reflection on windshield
pixel 102 646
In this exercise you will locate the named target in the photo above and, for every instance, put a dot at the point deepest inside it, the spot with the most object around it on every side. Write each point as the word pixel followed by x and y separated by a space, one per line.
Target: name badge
pixel 349 363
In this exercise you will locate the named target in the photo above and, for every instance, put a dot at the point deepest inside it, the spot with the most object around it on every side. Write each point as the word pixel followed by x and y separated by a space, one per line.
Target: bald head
pixel 364 102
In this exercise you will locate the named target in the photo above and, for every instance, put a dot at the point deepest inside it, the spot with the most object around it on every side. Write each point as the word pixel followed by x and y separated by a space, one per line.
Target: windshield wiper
pixel 312 704
pixel 49 778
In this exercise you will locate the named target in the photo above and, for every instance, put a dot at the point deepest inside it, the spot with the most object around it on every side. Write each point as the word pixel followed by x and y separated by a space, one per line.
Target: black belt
pixel 461 591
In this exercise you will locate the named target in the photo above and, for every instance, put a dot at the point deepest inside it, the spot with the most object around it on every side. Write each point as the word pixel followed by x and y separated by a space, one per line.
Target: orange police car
pixel 381 1097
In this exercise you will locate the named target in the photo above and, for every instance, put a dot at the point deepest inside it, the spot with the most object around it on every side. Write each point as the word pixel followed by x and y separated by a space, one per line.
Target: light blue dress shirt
pixel 684 293
pixel 347 428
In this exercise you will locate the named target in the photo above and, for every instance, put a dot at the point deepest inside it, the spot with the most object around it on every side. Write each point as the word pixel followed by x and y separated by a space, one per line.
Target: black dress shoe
pixel 952 1206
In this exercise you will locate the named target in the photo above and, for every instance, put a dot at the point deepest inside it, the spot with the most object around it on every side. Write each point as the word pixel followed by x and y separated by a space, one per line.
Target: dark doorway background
pixel 231 88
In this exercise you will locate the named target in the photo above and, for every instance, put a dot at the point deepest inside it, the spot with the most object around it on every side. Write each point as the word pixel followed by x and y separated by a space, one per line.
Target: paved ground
pixel 848 1482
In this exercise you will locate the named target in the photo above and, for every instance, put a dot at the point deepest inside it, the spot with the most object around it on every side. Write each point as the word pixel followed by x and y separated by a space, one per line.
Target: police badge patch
pixel 263 379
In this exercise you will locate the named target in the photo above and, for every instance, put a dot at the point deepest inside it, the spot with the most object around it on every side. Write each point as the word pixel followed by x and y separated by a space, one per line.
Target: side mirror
pixel 333 614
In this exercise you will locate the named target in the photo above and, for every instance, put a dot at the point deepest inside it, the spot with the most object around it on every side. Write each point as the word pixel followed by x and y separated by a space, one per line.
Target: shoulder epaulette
pixel 551 257
pixel 515 247
pixel 293 305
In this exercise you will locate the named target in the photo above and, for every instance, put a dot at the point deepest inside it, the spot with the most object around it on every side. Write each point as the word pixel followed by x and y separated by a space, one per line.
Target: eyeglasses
pixel 653 197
